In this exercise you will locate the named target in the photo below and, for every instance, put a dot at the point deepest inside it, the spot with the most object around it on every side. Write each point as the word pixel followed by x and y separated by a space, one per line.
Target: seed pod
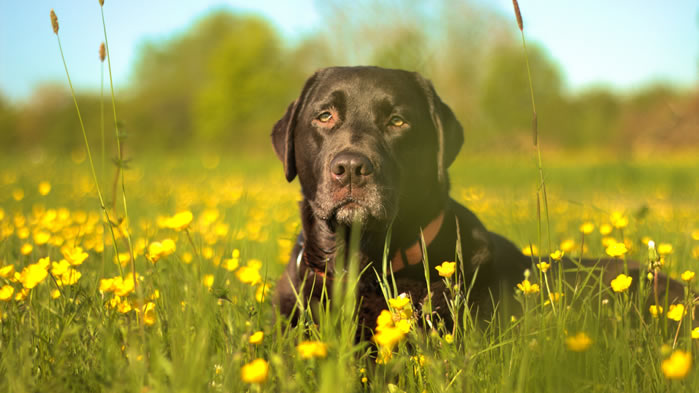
pixel 54 22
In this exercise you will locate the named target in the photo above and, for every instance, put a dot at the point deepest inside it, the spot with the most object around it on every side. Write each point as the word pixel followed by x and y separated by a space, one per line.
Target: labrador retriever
pixel 371 146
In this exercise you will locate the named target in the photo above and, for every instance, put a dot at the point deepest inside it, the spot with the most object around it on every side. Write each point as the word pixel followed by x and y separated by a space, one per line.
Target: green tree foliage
pixel 224 81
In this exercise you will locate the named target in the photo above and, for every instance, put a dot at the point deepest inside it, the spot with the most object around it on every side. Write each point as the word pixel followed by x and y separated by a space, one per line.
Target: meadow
pixel 210 236
pixel 159 277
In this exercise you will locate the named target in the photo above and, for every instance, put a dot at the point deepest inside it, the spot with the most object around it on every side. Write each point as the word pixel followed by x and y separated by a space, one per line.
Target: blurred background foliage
pixel 221 84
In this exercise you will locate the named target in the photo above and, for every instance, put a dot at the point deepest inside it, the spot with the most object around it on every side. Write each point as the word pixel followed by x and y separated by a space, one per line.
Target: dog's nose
pixel 348 167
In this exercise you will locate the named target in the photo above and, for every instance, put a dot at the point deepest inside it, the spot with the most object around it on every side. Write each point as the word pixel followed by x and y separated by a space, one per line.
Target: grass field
pixel 72 318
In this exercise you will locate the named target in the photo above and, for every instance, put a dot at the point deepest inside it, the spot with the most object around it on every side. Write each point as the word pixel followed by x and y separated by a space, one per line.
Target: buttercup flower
pixel 399 302
pixel 543 266
pixel 655 310
pixel 616 249
pixel 578 343
pixel 446 269
pixel 6 292
pixel 255 371
pixel 621 283
pixel 664 248
pixel 688 275
pixel 695 333
pixel 619 220
pixel 531 250
pixel 528 288
pixel 676 312
pixel 312 349
pixel 556 255
pixel 256 337
pixel 677 366
pixel 587 228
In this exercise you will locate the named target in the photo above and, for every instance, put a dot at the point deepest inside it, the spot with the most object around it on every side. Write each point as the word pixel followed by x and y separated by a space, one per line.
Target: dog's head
pixel 366 140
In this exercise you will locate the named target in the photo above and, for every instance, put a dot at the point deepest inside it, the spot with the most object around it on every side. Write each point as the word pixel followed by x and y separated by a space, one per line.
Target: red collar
pixel 413 254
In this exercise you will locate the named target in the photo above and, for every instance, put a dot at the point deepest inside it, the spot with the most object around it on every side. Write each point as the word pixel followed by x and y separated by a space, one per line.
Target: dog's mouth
pixel 350 211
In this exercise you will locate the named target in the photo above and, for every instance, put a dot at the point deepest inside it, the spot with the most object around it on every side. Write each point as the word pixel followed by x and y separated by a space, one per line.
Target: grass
pixel 177 298
pixel 198 339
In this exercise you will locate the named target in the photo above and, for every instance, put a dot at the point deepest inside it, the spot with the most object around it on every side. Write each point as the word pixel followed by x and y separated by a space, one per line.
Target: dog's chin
pixel 352 213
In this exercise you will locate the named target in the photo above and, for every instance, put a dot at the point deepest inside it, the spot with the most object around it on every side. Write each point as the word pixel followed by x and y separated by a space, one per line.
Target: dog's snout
pixel 348 167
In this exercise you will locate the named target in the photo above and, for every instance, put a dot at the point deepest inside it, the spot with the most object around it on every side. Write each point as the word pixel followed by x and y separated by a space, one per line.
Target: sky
pixel 624 44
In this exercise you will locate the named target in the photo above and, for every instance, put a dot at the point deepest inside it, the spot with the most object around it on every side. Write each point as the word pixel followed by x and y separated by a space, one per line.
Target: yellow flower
pixel 41 237
pixel 446 269
pixel 578 343
pixel 676 312
pixel 448 338
pixel 262 292
pixel 106 285
pixel 26 249
pixel 70 277
pixel 616 249
pixel 389 336
pixel 621 283
pixel 124 307
pixel 179 221
pixel 230 264
pixel 256 337
pixel 605 229
pixel 312 349
pixel 664 248
pixel 399 302
pixel 543 266
pixel 18 194
pixel 44 188
pixel 149 315
pixel 404 325
pixel 58 268
pixel 587 228
pixel 123 287
pixel 677 366
pixel 255 371
pixel 6 271
pixel 695 234
pixel 6 292
pixel 695 333
pixel 155 251
pixel 248 275
pixel 75 256
pixel 553 297
pixel 688 275
pixel 655 310
pixel 528 288
pixel 695 252
pixel 619 220
pixel 208 280
pixel 55 294
pixel 33 275
pixel 169 246
pixel 531 250
pixel 385 319
pixel 557 255
pixel 567 245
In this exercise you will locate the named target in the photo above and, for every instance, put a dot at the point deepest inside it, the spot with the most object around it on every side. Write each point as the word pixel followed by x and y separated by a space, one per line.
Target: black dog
pixel 372 145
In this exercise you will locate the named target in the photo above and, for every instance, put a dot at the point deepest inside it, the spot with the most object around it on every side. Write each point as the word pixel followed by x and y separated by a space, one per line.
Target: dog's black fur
pixel 373 145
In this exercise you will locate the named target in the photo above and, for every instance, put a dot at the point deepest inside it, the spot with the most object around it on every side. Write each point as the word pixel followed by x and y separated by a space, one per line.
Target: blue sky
pixel 620 43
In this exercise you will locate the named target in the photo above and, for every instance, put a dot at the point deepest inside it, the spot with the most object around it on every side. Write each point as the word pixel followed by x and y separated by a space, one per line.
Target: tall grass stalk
pixel 54 24
pixel 102 54
pixel 541 187
pixel 120 159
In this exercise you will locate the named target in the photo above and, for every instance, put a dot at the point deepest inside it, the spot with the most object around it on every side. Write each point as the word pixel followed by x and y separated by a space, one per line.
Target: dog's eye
pixel 325 117
pixel 397 121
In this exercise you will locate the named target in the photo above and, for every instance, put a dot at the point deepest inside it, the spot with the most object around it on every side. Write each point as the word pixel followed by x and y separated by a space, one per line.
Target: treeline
pixel 222 85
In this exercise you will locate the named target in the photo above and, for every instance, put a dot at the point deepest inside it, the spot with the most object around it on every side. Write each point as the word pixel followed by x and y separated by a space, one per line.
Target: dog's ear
pixel 450 134
pixel 284 130
pixel 283 139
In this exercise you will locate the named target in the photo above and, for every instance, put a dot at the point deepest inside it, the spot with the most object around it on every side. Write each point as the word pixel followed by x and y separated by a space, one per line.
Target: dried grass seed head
pixel 103 52
pixel 518 14
pixel 54 21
